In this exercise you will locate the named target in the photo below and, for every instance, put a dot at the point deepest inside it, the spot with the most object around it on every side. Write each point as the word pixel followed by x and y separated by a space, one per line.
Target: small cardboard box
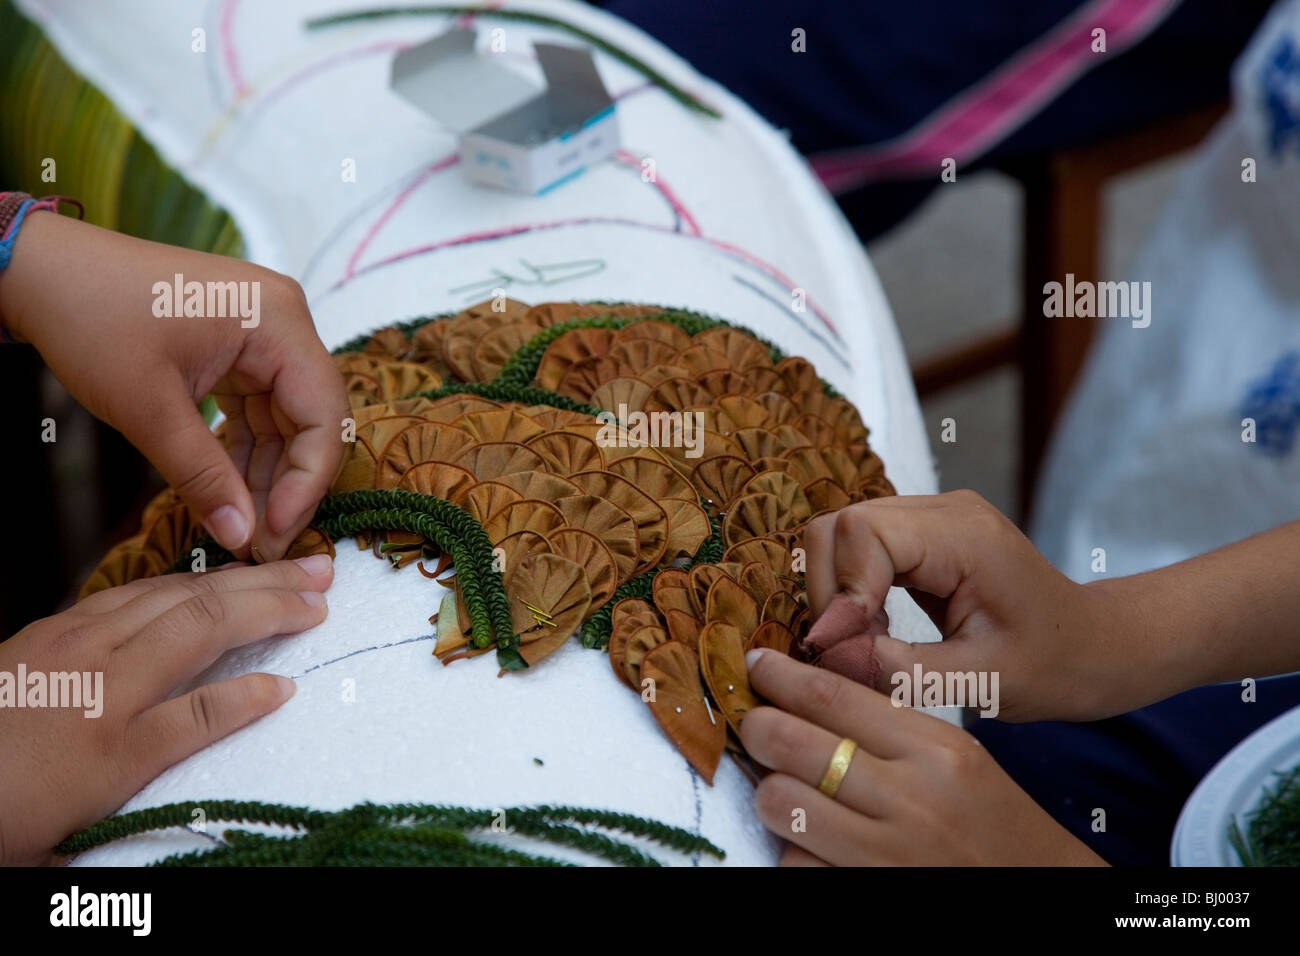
pixel 512 135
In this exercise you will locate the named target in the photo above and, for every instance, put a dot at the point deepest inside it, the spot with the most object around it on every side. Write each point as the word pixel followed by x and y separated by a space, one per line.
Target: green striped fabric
pixel 49 112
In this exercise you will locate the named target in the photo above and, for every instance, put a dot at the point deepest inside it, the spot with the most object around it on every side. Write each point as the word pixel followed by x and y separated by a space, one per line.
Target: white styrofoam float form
pixel 730 223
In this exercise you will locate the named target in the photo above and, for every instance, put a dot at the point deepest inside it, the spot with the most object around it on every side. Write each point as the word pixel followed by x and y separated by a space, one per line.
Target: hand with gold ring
pixel 857 781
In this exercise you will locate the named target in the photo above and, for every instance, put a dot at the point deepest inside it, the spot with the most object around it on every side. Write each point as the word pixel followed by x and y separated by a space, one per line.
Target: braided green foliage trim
pixel 501 392
pixel 691 102
pixel 453 530
pixel 214 555
pixel 392 835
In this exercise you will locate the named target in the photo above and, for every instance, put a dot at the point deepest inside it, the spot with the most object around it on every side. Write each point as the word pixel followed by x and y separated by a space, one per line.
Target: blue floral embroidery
pixel 1280 85
pixel 1274 403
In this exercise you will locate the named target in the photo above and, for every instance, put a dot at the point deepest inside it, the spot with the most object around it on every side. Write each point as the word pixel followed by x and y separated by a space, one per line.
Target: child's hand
pixel 85 297
pixel 918 790
pixel 1062 651
pixel 63 770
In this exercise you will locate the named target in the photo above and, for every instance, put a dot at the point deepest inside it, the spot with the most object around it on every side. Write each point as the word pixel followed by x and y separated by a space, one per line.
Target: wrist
pixel 1145 661
pixel 24 255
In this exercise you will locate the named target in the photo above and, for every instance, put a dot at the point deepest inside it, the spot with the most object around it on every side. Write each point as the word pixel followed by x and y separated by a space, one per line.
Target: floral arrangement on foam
pixel 634 474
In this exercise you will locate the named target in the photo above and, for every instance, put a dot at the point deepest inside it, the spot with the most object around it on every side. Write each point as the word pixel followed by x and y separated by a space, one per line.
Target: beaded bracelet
pixel 14 207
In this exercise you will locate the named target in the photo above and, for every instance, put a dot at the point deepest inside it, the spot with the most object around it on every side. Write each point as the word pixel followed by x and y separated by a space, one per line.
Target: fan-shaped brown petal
pixel 688 527
pixel 527 515
pixel 789 493
pixel 610 523
pixel 549 597
pixel 425 441
pixel 499 424
pixel 489 460
pixel 566 453
pixel 572 347
pixel 437 478
pixel 486 498
pixel 752 516
pixel 585 549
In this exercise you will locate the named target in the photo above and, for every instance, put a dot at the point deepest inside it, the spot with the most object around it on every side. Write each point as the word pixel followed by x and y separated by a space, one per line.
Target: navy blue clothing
pixel 874 69
pixel 1140 767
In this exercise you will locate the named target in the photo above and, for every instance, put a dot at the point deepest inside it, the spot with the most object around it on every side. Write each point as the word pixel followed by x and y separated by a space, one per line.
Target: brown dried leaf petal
pixel 772 635
pixel 763 550
pixel 825 494
pixel 522 544
pixel 674 394
pixel 123 564
pixel 310 541
pixel 610 523
pixel 752 516
pixel 656 478
pixel 486 498
pixel 499 424
pixel 780 607
pixel 702 577
pixel 789 493
pixel 657 330
pixel 585 549
pixel 527 515
pixel 493 350
pixel 680 707
pixel 671 588
pixel 572 347
pixel 631 608
pixel 688 528
pixel 490 460
pixel 640 643
pixel 743 351
pixel 425 441
pixel 651 520
pixel 759 581
pixel 620 395
pixel 728 601
pixel 566 453
pixel 683 627
pixel 437 478
pixel 722 665
pixel 549 597
pixel 719 478
pixel 539 484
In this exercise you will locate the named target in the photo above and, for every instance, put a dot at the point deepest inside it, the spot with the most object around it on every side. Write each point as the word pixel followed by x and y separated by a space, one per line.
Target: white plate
pixel 1231 790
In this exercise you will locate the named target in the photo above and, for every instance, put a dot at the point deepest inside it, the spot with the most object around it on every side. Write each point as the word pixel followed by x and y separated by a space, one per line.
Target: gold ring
pixel 838 767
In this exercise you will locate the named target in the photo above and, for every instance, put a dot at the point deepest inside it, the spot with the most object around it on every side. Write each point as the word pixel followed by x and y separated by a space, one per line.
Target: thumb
pixel 176 439
pixel 901 657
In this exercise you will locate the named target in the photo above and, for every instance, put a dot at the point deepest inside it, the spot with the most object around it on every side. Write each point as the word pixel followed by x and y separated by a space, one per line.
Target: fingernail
pixel 752 657
pixel 314 598
pixel 314 564
pixel 287 687
pixel 228 526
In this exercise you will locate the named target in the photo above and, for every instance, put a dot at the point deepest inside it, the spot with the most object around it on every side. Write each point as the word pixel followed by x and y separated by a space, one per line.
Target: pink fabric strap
pixel 843 640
